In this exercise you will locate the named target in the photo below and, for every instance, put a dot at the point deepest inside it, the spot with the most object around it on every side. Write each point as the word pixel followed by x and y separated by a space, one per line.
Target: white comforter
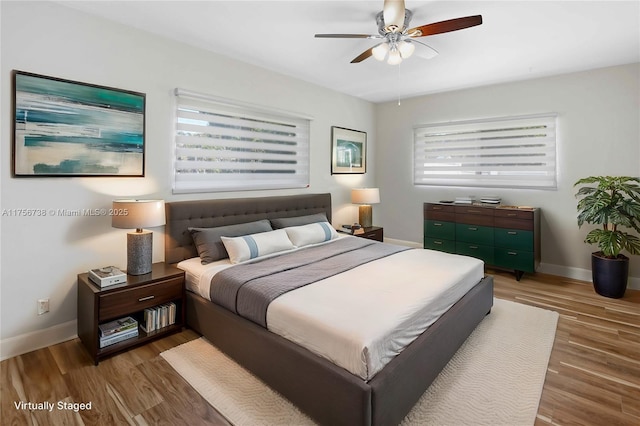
pixel 380 307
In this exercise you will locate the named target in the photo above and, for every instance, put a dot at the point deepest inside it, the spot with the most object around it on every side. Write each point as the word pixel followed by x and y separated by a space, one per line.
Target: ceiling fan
pixel 397 38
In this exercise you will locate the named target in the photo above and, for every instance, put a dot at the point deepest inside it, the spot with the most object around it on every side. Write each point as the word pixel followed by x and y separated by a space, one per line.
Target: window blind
pixel 222 145
pixel 504 152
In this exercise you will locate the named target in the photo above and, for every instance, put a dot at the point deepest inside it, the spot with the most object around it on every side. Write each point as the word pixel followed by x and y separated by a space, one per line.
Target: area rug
pixel 495 378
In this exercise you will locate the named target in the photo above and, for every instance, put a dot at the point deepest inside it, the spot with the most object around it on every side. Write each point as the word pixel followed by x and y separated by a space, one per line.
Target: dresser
pixel 504 237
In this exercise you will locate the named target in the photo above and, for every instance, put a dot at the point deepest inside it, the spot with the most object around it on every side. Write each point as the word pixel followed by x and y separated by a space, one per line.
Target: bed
pixel 328 393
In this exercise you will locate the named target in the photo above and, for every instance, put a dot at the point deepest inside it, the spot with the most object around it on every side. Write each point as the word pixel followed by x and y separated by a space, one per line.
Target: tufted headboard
pixel 178 244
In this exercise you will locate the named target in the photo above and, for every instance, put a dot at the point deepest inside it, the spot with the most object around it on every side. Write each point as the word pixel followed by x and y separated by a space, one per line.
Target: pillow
pixel 253 246
pixel 313 233
pixel 209 244
pixel 285 222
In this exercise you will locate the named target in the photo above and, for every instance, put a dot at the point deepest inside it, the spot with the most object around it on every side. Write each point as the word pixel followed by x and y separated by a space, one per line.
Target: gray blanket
pixel 247 289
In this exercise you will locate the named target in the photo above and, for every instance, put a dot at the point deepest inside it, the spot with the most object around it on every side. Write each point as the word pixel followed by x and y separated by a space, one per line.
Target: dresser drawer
pixel 478 251
pixel 128 300
pixel 474 234
pixel 516 239
pixel 514 259
pixel 514 214
pixel 440 244
pixel 514 219
pixel 439 212
pixel 440 229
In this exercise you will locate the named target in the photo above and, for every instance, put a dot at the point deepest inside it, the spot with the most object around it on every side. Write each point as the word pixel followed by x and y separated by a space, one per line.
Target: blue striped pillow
pixel 312 233
pixel 252 246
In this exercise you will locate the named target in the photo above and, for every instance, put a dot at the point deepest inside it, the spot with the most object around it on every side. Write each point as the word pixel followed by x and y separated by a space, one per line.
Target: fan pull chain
pixel 398 85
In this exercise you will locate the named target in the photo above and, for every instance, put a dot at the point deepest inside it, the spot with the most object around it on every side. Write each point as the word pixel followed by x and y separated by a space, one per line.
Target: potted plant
pixel 614 203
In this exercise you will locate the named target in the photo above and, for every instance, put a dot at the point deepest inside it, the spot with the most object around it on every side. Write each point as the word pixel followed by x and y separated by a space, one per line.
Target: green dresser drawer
pixel 440 244
pixel 479 251
pixel 440 229
pixel 474 234
pixel 516 239
pixel 519 260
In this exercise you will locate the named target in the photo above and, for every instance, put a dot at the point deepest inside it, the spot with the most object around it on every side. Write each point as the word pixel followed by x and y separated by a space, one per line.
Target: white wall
pixel 42 256
pixel 598 134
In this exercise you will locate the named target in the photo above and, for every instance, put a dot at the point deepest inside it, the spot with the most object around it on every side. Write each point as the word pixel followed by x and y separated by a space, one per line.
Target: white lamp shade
pixel 380 51
pixel 138 214
pixel 406 49
pixel 394 57
pixel 365 196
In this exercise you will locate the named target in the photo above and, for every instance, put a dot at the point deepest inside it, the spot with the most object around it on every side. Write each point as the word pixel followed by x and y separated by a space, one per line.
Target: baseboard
pixel 545 268
pixel 579 274
pixel 403 243
pixel 28 342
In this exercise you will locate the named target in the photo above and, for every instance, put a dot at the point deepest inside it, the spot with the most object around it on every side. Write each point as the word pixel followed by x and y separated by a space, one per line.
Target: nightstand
pixel 97 305
pixel 372 233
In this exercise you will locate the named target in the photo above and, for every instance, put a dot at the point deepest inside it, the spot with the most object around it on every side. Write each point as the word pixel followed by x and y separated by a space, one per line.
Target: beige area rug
pixel 495 378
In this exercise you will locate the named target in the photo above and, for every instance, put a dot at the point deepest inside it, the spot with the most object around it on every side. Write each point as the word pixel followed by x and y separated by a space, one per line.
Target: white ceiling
pixel 518 39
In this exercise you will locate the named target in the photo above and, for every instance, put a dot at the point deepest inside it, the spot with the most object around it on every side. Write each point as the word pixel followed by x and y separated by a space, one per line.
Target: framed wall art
pixel 65 128
pixel 348 151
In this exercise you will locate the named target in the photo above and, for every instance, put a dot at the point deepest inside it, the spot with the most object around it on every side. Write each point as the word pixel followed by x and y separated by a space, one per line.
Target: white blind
pixel 504 152
pixel 222 145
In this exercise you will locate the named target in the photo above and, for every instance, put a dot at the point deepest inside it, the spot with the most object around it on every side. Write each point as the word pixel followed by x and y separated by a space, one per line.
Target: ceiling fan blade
pixel 426 51
pixel 346 36
pixel 445 26
pixel 361 57
pixel 393 13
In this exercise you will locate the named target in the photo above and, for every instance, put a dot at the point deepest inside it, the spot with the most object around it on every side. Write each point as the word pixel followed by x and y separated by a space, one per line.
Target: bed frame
pixel 327 393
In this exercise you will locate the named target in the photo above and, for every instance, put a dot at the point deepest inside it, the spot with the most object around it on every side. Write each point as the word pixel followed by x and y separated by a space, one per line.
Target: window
pixel 222 145
pixel 514 152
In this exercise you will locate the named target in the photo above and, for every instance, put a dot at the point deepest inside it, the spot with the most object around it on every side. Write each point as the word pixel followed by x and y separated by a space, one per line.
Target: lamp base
pixel 139 252
pixel 365 215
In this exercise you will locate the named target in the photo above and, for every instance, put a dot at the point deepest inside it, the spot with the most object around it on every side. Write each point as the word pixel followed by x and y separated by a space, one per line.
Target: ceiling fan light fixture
pixel 394 57
pixel 406 48
pixel 380 51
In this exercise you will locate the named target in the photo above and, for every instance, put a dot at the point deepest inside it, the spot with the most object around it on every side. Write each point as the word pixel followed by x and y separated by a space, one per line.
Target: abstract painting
pixel 348 151
pixel 67 128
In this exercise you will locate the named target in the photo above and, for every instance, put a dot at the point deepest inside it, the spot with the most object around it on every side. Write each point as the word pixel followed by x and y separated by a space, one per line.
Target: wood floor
pixel 593 376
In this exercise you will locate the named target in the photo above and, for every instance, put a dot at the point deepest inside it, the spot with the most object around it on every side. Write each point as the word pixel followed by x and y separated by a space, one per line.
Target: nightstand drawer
pixel 116 304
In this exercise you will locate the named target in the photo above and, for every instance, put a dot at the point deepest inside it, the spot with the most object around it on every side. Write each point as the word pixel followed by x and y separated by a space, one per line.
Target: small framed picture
pixel 348 151
pixel 64 128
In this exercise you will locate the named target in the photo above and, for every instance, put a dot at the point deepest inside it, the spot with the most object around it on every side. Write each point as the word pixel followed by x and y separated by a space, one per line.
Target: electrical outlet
pixel 43 306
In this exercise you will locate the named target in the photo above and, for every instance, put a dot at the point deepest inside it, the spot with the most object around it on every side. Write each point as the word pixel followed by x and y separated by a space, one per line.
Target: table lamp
pixel 365 197
pixel 138 214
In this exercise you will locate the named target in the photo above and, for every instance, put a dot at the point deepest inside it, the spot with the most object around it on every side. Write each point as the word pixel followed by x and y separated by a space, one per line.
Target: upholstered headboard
pixel 178 244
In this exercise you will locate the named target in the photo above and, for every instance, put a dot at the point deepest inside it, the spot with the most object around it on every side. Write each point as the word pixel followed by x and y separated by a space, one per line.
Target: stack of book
pixel 465 200
pixel 117 331
pixel 491 200
pixel 109 275
pixel 159 316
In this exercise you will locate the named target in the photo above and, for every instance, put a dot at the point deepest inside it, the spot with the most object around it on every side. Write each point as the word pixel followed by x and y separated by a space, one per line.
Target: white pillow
pixel 255 245
pixel 312 233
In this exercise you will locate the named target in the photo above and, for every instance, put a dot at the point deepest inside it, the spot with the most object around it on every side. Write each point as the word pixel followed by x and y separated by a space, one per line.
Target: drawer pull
pixel 142 299
pixel 473 211
pixel 437 224
pixel 437 242
pixel 511 214
pixel 473 247
pixel 512 233
pixel 437 208
pixel 512 253
pixel 473 229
